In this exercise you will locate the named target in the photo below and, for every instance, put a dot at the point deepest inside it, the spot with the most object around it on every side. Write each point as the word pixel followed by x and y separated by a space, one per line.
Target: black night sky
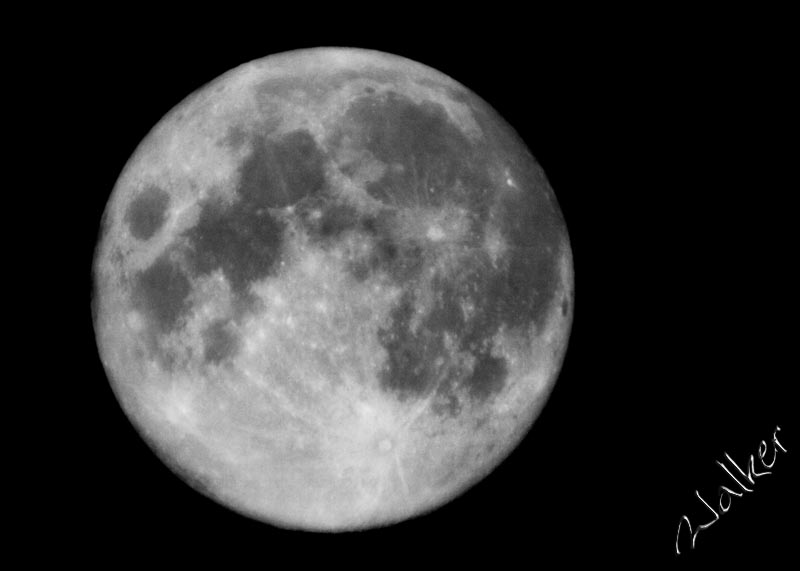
pixel 669 161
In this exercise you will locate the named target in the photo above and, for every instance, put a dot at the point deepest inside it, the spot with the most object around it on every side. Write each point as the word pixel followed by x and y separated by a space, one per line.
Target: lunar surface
pixel 333 289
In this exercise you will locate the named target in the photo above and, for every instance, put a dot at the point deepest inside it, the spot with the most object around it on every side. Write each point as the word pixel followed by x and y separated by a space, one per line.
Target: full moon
pixel 333 289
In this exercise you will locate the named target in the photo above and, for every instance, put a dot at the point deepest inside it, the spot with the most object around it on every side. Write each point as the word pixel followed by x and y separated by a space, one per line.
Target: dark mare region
pixel 219 342
pixel 514 295
pixel 431 151
pixel 146 213
pixel 243 240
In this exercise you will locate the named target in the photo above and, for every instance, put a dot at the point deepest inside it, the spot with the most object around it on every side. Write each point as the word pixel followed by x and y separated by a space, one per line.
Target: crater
pixel 146 213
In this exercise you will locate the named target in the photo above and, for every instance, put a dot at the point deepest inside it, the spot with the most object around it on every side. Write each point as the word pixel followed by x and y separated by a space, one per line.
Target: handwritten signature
pixel 725 492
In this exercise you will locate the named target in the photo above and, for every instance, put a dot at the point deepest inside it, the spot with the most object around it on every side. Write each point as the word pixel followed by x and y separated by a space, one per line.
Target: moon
pixel 333 289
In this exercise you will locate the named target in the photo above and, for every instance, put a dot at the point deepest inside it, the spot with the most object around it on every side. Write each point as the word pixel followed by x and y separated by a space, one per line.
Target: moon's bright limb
pixel 335 288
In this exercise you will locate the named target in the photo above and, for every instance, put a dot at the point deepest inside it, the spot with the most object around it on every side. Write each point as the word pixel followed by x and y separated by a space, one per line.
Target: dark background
pixel 669 154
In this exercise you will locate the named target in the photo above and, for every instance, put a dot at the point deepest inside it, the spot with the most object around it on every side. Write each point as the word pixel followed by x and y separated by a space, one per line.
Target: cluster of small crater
pixel 419 359
pixel 327 221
